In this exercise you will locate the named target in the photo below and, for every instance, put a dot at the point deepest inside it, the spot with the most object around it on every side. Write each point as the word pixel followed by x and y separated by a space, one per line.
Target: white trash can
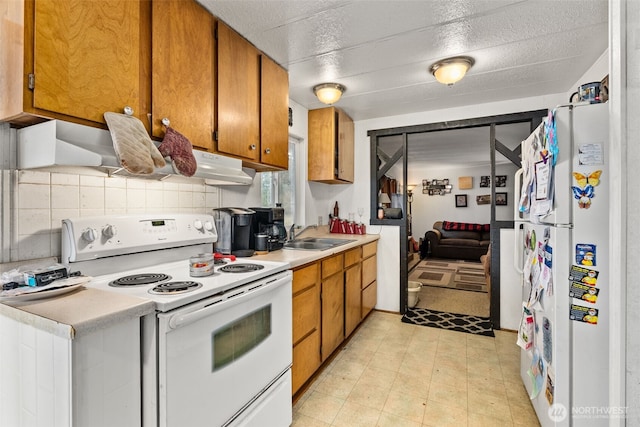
pixel 414 289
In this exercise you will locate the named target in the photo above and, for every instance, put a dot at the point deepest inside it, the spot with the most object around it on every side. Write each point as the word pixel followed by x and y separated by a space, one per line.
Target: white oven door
pixel 217 356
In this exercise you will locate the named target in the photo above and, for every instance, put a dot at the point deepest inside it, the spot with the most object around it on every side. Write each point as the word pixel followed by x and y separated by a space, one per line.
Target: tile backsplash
pixel 42 199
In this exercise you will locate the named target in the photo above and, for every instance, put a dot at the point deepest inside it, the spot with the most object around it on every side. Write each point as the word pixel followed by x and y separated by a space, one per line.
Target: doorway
pixel 395 150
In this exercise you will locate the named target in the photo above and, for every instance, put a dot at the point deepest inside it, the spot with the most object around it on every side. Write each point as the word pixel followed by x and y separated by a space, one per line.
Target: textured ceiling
pixel 381 50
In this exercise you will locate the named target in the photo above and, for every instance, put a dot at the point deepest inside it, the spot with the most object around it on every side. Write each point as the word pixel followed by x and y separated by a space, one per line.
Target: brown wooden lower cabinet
pixel 332 310
pixel 331 297
pixel 306 323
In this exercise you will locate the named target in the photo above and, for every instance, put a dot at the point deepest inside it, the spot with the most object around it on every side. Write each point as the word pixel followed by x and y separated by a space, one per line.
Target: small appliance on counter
pixel 234 231
pixel 268 222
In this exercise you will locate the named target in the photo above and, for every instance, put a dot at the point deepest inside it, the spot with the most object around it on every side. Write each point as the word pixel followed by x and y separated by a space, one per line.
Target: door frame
pixel 534 117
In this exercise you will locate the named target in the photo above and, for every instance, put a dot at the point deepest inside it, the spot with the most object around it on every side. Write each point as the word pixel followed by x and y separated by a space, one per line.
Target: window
pixel 280 187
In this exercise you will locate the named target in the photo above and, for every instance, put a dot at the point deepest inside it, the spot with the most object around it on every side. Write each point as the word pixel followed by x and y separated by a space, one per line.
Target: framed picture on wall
pixel 501 199
pixel 484 199
pixel 461 200
pixel 485 181
pixel 501 180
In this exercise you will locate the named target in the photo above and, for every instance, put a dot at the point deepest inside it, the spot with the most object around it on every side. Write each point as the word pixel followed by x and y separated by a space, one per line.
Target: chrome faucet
pixel 292 232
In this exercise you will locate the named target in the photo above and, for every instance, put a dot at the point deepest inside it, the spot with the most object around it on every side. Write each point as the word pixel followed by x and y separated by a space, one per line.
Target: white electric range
pixel 218 349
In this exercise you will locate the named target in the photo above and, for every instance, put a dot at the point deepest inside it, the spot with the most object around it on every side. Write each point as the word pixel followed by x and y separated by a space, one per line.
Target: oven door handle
pixel 234 296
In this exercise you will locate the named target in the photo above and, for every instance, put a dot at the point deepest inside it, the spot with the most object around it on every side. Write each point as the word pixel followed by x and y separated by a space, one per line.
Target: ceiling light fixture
pixel 451 70
pixel 329 93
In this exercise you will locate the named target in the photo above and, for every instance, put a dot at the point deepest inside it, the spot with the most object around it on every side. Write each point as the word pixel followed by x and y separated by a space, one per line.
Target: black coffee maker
pixel 234 231
pixel 269 222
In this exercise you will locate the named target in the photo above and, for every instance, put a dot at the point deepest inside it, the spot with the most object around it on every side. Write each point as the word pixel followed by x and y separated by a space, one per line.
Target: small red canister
pixel 334 225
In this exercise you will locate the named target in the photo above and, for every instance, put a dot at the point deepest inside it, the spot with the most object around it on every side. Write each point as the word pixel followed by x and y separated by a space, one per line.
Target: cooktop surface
pixel 170 285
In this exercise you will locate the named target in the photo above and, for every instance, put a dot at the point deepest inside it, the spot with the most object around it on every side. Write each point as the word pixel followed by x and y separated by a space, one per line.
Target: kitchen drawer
pixel 306 360
pixel 352 256
pixel 369 249
pixel 306 313
pixel 331 266
pixel 369 270
pixel 369 298
pixel 305 277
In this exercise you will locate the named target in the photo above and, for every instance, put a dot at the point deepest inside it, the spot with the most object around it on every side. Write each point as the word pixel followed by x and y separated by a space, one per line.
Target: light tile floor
pixel 397 374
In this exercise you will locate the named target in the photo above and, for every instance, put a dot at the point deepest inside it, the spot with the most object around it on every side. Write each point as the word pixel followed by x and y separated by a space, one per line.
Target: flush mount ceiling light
pixel 329 93
pixel 451 70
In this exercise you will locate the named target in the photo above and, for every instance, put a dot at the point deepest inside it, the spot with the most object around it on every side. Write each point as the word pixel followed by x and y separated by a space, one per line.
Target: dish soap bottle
pixel 336 210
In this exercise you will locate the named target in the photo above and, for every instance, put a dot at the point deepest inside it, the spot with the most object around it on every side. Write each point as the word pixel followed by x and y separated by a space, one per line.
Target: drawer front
pixel 369 249
pixel 331 266
pixel 305 277
pixel 352 256
pixel 369 270
pixel 306 313
pixel 306 359
pixel 369 298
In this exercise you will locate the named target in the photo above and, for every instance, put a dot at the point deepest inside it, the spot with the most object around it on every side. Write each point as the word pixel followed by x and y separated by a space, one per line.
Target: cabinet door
pixel 306 324
pixel 238 92
pixel 352 298
pixel 274 114
pixel 369 270
pixel 332 314
pixel 183 73
pixel 91 57
pixel 321 147
pixel 345 146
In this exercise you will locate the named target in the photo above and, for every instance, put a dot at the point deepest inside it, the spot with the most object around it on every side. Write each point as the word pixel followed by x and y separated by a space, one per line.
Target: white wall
pixel 427 209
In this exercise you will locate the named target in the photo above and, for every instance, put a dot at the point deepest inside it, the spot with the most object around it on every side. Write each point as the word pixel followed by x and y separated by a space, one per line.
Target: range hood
pixel 60 143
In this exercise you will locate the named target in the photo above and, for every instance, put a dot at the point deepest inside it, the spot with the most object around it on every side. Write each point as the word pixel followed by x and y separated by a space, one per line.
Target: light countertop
pixel 82 311
pixel 298 257
pixel 86 310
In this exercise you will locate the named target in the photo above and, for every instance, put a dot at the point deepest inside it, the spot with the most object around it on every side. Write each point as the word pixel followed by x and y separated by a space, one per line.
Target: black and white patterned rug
pixel 451 321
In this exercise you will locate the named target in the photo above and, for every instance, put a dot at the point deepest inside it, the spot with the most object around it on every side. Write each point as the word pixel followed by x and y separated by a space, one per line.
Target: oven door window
pixel 239 337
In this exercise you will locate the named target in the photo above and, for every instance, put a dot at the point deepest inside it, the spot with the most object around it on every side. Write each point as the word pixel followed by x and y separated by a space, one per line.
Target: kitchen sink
pixel 316 243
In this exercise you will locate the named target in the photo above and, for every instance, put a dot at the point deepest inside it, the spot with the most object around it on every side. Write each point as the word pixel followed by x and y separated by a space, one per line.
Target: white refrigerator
pixel 562 234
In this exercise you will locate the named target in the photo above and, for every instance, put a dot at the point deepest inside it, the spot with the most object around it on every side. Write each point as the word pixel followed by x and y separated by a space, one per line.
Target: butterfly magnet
pixel 584 191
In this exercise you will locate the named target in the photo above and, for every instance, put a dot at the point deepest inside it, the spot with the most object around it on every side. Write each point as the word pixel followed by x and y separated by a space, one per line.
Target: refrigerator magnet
pixel 586 254
pixel 583 275
pixel 546 340
pixel 584 292
pixel 583 314
pixel 548 393
pixel 584 191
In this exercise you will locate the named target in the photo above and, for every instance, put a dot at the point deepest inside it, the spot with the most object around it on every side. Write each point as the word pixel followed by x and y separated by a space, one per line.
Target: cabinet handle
pixel 267 151
pixel 252 147
pixel 128 111
pixel 165 121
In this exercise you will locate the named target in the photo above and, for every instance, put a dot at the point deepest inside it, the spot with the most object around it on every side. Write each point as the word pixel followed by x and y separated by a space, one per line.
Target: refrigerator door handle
pixel 552 224
pixel 516 193
pixel 519 248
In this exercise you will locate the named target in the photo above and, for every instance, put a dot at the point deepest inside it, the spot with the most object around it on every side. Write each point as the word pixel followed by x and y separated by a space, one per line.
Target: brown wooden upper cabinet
pixel 253 100
pixel 331 145
pixel 274 114
pixel 238 92
pixel 81 59
pixel 183 80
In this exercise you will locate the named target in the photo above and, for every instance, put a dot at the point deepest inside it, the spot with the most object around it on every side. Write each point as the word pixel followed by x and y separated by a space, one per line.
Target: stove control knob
pixel 89 235
pixel 197 224
pixel 109 231
pixel 208 225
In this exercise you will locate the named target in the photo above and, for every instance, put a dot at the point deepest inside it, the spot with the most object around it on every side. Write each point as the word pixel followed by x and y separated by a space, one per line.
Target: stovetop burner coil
pixel 241 268
pixel 140 279
pixel 179 287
